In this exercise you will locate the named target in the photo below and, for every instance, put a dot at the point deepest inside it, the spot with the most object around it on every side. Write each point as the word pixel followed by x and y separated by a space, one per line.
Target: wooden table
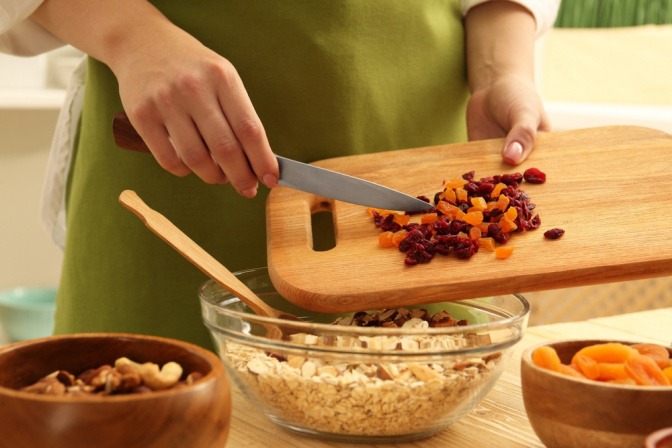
pixel 499 420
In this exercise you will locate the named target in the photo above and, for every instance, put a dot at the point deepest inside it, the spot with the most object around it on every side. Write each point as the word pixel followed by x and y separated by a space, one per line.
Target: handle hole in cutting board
pixel 322 225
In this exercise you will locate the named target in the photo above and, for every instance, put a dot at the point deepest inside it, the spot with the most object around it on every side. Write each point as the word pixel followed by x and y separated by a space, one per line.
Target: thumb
pixel 519 141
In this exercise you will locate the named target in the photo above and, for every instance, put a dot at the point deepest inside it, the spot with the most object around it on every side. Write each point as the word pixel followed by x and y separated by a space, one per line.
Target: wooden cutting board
pixel 609 188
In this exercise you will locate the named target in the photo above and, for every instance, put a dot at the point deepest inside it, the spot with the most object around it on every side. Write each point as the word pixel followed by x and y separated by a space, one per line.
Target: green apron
pixel 327 78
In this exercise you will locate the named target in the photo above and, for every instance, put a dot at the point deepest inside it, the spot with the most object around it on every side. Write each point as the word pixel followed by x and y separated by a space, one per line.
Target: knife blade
pixel 304 177
pixel 343 187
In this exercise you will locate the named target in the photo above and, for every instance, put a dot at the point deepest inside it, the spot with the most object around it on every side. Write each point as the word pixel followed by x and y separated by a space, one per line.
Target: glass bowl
pixel 362 384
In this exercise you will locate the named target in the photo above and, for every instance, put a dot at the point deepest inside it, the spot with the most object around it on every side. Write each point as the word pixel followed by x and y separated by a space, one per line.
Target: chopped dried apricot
pixel 385 239
pixel 475 233
pixel 473 218
pixel 402 220
pixel 504 252
pixel 449 195
pixel 479 203
pixel 448 209
pixel 429 218
pixel 487 243
pixel 380 211
pixel 398 237
pixel 503 202
pixel 507 225
pixel 497 190
pixel 511 213
pixel 462 194
pixel 456 183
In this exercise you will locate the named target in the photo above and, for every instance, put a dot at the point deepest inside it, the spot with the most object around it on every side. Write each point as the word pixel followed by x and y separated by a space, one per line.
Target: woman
pixel 215 88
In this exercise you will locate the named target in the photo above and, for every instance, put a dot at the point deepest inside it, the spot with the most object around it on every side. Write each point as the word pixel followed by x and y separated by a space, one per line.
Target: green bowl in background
pixel 27 312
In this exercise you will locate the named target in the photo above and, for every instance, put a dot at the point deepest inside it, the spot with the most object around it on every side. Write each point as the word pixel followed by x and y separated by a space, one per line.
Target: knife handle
pixel 125 135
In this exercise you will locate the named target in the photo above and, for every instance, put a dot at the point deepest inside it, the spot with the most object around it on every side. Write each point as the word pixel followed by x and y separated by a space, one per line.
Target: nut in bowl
pixel 616 402
pixel 111 390
pixel 407 375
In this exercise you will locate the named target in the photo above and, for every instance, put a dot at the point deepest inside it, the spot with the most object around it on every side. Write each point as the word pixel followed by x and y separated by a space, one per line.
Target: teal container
pixel 27 312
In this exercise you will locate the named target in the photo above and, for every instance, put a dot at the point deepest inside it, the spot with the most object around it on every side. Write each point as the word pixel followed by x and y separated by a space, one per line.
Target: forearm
pixel 500 39
pixel 108 31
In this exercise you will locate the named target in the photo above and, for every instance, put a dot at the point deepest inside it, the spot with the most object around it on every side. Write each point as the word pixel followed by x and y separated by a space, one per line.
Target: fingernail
pixel 250 192
pixel 270 180
pixel 513 152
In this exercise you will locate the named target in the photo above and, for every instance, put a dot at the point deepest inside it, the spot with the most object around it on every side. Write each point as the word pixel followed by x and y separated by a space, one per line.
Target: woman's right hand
pixel 193 112
pixel 187 102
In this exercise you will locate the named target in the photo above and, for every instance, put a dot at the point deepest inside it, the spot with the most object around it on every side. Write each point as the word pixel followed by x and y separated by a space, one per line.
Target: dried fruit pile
pixel 468 214
pixel 613 362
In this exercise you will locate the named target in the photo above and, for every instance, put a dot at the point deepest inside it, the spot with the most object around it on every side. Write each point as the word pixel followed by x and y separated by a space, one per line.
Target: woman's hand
pixel 192 110
pixel 510 107
pixel 500 67
pixel 187 103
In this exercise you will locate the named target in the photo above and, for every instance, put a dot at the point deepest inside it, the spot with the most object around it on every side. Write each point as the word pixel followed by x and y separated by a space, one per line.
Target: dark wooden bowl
pixel 567 412
pixel 197 415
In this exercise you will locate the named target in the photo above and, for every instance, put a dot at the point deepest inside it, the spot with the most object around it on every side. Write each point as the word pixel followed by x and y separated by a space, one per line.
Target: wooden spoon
pixel 168 232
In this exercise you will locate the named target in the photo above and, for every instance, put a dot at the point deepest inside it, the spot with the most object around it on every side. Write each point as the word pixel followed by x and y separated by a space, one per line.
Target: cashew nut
pixel 152 376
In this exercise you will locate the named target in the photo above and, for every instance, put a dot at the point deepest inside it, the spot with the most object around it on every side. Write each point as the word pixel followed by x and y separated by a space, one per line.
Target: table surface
pixel 500 419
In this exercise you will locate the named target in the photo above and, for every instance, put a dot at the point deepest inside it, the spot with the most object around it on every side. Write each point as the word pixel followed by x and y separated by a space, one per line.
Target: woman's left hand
pixel 500 46
pixel 509 107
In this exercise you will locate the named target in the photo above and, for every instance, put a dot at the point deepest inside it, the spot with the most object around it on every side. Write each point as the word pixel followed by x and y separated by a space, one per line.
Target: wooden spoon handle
pixel 125 135
pixel 168 232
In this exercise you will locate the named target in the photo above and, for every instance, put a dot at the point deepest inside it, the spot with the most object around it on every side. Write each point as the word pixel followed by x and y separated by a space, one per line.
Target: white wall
pixel 27 255
pixel 31 93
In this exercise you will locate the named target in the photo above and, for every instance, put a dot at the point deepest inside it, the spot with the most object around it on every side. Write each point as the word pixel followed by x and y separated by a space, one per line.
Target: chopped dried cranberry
pixel 534 176
pixel 388 224
pixel 469 176
pixel 511 179
pixel 485 188
pixel 554 234
pixel 465 248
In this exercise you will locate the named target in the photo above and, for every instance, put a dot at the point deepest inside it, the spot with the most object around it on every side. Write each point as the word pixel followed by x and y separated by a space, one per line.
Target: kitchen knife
pixel 330 184
pixel 304 177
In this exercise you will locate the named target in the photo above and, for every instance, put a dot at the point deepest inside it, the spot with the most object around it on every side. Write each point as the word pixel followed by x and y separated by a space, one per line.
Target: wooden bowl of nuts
pixel 111 390
pixel 597 393
pixel 378 376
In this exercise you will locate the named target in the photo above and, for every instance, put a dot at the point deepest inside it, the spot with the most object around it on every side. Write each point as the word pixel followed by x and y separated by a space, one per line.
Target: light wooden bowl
pixel 197 415
pixel 568 412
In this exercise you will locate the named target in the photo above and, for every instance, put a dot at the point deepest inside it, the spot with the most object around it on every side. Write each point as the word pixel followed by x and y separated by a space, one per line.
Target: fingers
pixel 207 125
pixel 156 137
pixel 520 139
pixel 259 160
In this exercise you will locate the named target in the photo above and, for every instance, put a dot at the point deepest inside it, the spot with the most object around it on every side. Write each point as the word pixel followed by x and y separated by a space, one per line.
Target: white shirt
pixel 20 35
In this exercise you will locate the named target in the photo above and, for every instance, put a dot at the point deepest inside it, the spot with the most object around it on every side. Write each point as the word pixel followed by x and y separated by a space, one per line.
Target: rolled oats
pixel 374 398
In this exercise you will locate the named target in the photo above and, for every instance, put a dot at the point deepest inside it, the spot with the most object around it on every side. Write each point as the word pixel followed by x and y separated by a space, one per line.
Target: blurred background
pixel 606 62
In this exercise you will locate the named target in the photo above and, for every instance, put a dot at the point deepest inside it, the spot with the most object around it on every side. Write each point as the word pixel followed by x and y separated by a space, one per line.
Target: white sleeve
pixel 19 34
pixel 544 11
